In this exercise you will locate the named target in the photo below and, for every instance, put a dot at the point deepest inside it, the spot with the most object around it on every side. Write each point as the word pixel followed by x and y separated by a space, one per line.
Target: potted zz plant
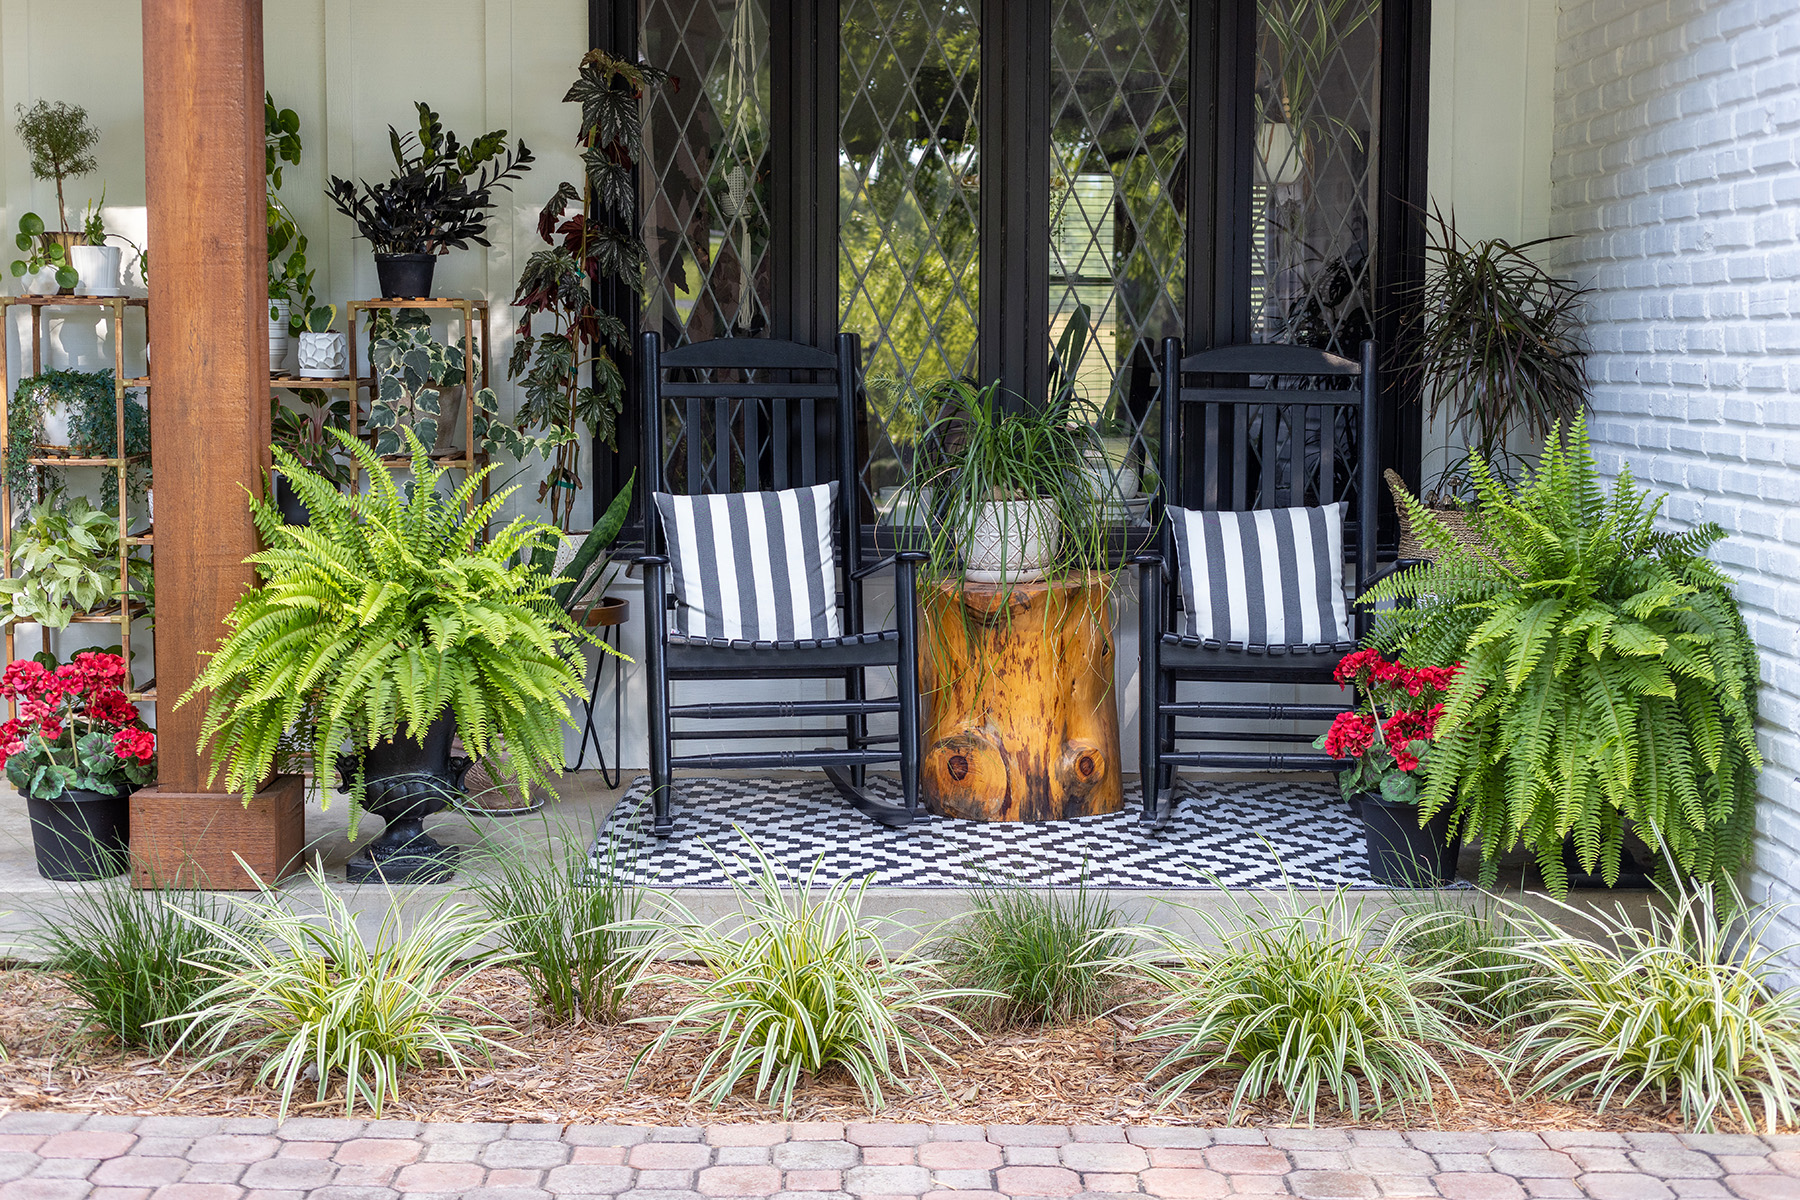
pixel 390 624
pixel 437 200
pixel 1387 740
pixel 76 751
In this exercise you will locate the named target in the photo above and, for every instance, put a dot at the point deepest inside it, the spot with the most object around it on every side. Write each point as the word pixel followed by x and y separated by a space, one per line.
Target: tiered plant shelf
pixel 123 613
pixel 468 458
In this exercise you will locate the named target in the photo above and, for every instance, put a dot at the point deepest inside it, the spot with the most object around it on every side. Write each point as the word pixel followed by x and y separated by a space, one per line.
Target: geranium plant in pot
pixel 390 623
pixel 76 751
pixel 1387 740
pixel 437 200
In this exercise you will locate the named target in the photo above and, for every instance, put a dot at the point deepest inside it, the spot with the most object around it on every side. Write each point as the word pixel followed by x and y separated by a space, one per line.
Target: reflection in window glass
pixel 909 176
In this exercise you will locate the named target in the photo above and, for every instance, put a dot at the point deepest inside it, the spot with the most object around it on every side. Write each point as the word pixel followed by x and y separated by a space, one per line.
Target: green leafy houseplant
pixel 1304 1000
pixel 65 561
pixel 412 370
pixel 299 425
pixel 1498 338
pixel 311 995
pixel 42 250
pixel 61 140
pixel 87 399
pixel 290 278
pixel 798 981
pixel 1685 1001
pixel 389 610
pixel 1607 673
pixel 596 243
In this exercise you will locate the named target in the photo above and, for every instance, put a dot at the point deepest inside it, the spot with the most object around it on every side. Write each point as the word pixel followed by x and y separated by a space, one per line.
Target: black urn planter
pixel 405 276
pixel 1635 874
pixel 405 782
pixel 1403 854
pixel 80 835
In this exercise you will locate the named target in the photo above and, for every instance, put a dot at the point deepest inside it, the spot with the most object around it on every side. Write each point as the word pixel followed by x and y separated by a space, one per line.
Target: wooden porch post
pixel 209 385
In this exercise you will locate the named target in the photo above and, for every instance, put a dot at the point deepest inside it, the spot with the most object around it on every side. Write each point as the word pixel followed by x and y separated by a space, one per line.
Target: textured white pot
pixel 1013 541
pixel 98 267
pixel 323 356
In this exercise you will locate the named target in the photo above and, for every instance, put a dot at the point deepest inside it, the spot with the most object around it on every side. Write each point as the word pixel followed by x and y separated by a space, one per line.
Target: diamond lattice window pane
pixel 1118 164
pixel 909 198
pixel 706 170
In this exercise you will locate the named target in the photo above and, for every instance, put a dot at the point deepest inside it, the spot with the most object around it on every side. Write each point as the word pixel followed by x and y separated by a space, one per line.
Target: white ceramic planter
pixel 278 336
pixel 40 283
pixel 1013 541
pixel 98 267
pixel 323 356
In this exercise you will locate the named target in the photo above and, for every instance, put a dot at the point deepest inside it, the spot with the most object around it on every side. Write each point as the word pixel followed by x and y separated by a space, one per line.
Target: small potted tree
pixel 75 751
pixel 437 200
pixel 1386 741
pixel 61 140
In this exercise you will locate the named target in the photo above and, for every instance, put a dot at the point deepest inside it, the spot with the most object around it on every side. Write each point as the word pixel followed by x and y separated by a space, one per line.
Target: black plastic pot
pixel 405 276
pixel 293 509
pixel 80 835
pixel 1401 853
pixel 407 781
pixel 1634 873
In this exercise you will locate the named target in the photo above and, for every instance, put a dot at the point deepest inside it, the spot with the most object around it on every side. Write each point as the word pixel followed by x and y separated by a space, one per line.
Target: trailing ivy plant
pixel 65 561
pixel 389 610
pixel 87 397
pixel 1607 673
pixel 598 242
pixel 412 370
pixel 290 278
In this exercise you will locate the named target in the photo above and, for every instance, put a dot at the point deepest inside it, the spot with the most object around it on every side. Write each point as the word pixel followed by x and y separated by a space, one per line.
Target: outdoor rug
pixel 1232 835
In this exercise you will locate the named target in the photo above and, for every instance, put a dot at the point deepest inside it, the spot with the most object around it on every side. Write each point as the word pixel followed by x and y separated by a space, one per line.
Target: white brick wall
pixel 1677 169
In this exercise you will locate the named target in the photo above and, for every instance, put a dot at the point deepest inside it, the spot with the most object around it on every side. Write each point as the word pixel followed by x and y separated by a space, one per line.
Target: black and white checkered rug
pixel 1231 835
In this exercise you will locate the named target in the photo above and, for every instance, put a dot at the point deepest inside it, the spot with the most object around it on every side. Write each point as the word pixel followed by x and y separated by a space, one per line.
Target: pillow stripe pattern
pixel 754 566
pixel 1272 577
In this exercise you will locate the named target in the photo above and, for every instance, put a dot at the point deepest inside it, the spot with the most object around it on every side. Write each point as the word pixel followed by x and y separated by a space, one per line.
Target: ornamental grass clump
pixel 1303 1001
pixel 797 983
pixel 570 926
pixel 133 956
pixel 1607 674
pixel 1676 1004
pixel 1487 982
pixel 309 997
pixel 1041 949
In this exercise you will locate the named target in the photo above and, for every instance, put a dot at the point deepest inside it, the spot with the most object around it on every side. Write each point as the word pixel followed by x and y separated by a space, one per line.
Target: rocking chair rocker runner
pixel 744 554
pixel 1247 581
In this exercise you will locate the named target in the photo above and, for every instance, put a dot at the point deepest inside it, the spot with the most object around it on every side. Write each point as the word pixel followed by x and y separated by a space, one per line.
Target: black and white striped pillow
pixel 754 566
pixel 1273 577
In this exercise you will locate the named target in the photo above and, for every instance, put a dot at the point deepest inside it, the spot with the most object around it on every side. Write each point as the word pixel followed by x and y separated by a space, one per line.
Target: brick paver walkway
pixel 63 1156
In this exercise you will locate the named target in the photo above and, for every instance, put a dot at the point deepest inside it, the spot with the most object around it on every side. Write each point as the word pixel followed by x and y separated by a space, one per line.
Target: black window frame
pixel 1014 219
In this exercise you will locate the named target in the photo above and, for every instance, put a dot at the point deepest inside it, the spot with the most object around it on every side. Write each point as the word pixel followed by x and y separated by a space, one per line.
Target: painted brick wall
pixel 1677 169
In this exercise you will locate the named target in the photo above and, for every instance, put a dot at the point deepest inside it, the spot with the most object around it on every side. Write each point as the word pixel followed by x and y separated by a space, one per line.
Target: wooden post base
pixel 1022 723
pixel 196 839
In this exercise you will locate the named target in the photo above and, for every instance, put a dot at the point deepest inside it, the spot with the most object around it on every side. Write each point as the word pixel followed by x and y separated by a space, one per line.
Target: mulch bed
pixel 1086 1074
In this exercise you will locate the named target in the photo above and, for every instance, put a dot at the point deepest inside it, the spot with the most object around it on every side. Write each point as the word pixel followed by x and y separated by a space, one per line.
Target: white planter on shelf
pixel 98 267
pixel 1013 541
pixel 323 356
pixel 278 336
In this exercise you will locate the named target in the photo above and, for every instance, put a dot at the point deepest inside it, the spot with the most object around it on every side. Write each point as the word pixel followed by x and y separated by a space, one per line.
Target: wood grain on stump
pixel 1021 719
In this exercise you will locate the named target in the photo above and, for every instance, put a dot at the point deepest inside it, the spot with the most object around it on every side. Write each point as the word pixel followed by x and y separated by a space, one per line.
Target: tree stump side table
pixel 1021 719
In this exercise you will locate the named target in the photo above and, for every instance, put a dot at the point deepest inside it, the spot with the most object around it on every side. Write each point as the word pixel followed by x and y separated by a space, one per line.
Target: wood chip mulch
pixel 1087 1074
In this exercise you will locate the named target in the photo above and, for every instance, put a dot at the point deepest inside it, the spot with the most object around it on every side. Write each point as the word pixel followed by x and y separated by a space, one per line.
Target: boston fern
pixel 387 611
pixel 1607 673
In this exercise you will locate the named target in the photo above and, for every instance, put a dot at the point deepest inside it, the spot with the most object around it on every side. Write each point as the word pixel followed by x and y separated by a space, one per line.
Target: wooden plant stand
pixel 1021 718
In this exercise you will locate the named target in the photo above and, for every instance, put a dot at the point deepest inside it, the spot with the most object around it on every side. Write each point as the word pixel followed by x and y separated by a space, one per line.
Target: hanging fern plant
pixel 1607 674
pixel 384 613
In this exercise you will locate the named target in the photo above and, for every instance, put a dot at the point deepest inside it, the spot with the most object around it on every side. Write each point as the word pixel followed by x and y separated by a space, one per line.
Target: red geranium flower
pixel 1350 736
pixel 1353 666
pixel 135 743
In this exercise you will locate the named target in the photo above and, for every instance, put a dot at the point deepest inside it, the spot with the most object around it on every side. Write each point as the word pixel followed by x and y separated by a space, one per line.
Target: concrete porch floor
pixel 28 900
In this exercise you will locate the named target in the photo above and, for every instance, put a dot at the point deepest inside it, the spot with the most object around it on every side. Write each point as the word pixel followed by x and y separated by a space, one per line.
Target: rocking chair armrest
pixel 650 560
pixel 1392 569
pixel 1148 561
pixel 899 558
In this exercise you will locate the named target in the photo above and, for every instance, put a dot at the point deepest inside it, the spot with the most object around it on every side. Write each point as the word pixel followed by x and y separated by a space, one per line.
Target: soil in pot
pixel 407 781
pixel 1401 853
pixel 405 276
pixel 80 835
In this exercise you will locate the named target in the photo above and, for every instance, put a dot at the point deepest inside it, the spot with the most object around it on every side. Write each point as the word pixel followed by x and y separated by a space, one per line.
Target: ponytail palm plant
pixel 386 612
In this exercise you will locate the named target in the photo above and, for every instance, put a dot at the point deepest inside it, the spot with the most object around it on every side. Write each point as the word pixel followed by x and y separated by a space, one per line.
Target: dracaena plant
pixel 1606 673
pixel 440 193
pixel 412 370
pixel 562 330
pixel 389 610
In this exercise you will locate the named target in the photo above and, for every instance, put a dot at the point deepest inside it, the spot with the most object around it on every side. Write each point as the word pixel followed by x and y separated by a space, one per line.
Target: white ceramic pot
pixel 98 267
pixel 40 283
pixel 1013 541
pixel 278 336
pixel 323 356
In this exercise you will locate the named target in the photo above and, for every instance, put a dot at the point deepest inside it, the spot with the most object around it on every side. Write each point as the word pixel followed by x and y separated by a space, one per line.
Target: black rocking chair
pixel 744 417
pixel 1297 442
